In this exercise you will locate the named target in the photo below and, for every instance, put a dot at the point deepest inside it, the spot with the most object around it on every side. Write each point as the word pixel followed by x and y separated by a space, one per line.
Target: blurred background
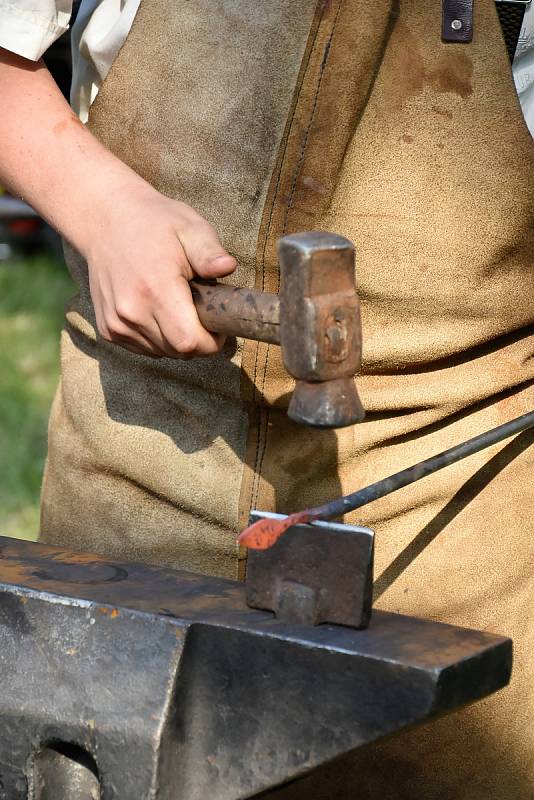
pixel 34 285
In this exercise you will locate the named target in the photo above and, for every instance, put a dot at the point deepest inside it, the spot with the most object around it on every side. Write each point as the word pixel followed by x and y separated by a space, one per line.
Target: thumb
pixel 204 251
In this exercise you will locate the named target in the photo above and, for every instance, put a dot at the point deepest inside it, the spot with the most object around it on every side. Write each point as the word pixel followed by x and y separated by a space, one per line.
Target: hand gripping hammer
pixel 315 319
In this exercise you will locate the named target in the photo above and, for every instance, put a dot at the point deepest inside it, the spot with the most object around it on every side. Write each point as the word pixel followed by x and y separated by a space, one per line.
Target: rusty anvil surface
pixel 172 688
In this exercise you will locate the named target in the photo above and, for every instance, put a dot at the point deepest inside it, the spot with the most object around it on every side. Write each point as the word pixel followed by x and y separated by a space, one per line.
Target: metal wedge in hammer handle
pixel 315 320
pixel 266 532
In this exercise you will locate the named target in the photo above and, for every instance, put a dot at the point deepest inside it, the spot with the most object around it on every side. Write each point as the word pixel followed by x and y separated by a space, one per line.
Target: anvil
pixel 123 681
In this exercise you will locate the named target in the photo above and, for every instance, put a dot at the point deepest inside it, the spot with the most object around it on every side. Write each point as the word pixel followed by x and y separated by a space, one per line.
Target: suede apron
pixel 354 117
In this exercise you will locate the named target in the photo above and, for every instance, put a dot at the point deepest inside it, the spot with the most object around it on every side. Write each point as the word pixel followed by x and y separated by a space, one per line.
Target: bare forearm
pixel 48 157
pixel 141 248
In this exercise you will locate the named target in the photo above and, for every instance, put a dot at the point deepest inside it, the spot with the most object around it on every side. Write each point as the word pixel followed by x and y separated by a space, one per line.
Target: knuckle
pixel 146 290
pixel 123 309
pixel 141 297
pixel 105 333
pixel 116 329
pixel 208 349
pixel 185 214
pixel 127 311
pixel 187 345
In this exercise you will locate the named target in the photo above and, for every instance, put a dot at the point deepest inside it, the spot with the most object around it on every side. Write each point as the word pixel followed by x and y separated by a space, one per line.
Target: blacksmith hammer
pixel 315 319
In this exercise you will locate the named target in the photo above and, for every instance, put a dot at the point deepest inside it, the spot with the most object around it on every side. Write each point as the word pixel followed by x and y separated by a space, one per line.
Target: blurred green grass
pixel 33 292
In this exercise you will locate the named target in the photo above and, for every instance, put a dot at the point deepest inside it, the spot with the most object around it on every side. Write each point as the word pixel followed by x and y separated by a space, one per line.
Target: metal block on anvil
pixel 322 572
pixel 129 682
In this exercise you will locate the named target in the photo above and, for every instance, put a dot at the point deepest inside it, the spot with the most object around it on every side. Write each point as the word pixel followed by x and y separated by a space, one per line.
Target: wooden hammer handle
pixel 236 311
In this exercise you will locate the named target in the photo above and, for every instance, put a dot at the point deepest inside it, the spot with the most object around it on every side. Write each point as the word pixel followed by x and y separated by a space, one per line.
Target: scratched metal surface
pixel 168 686
pixel 191 597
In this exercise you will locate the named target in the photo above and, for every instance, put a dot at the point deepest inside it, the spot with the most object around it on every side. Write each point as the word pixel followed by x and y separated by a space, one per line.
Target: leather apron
pixel 353 117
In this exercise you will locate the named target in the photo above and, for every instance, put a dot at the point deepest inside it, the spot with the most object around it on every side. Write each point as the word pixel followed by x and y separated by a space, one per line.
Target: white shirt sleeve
pixel 98 34
pixel 523 67
pixel 29 27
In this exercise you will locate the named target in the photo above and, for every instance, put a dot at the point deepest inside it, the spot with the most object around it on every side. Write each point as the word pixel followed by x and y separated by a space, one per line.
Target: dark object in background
pixel 59 61
pixel 511 14
pixel 22 231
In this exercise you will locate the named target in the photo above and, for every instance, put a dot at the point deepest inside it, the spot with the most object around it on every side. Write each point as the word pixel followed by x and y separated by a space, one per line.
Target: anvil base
pixel 127 682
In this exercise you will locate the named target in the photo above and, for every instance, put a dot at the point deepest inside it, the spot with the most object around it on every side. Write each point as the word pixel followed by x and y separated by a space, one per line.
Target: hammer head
pixel 320 328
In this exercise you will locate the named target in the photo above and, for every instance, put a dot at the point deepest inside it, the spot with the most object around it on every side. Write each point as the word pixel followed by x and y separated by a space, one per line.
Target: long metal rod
pixel 260 536
pixel 411 474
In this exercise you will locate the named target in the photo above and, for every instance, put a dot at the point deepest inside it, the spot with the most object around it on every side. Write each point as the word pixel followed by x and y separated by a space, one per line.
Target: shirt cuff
pixel 25 33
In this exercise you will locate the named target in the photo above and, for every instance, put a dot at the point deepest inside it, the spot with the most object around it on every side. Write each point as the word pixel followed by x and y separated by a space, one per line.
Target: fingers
pixel 180 326
pixel 127 344
pixel 130 337
pixel 171 330
pixel 203 249
pixel 138 277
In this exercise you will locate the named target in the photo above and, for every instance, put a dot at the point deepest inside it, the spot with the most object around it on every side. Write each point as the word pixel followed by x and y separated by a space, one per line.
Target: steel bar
pixel 266 532
pixel 427 467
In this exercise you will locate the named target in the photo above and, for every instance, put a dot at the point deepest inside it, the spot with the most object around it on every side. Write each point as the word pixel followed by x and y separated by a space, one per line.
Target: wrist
pixel 103 205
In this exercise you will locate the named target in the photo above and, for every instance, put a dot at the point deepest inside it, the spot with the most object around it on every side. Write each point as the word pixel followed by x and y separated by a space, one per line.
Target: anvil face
pixel 178 691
